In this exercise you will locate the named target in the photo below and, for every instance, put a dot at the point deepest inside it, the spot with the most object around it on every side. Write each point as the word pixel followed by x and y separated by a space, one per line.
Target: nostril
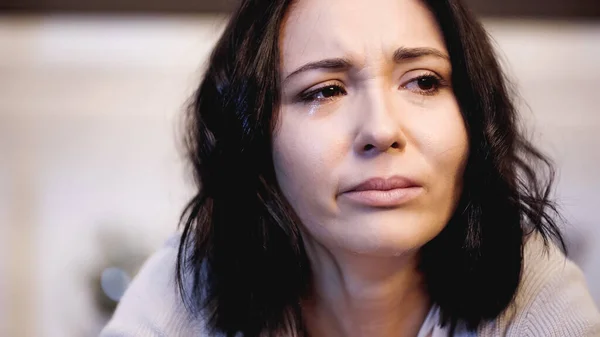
pixel 395 145
pixel 369 147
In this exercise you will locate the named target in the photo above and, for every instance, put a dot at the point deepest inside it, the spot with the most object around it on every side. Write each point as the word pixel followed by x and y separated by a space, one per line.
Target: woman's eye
pixel 323 93
pixel 424 85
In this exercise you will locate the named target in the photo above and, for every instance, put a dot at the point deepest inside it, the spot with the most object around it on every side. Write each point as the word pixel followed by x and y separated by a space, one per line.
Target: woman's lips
pixel 389 198
pixel 380 192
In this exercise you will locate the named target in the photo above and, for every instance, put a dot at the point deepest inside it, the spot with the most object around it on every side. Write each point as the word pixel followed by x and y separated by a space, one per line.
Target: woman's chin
pixel 385 243
pixel 385 234
pixel 382 248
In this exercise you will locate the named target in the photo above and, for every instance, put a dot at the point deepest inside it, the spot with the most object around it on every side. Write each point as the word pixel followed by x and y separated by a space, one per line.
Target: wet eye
pixel 424 85
pixel 427 83
pixel 324 93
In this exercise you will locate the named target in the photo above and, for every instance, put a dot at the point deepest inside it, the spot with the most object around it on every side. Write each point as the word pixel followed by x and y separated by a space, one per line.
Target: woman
pixel 360 173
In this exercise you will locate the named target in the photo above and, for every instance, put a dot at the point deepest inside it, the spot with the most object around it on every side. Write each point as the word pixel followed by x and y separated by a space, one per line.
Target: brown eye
pixel 330 91
pixel 424 85
pixel 324 93
pixel 427 83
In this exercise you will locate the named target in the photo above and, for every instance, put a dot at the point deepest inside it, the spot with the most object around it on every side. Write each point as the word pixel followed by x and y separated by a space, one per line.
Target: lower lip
pixel 389 198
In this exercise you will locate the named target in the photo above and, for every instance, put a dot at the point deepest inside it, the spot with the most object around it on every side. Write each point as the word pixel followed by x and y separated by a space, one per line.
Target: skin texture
pixel 374 118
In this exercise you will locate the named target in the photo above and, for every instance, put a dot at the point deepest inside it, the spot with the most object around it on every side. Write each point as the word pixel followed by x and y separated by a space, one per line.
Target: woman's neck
pixel 356 296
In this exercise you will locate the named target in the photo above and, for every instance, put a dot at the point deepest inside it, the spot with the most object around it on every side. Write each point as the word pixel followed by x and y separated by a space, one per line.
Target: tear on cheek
pixel 313 108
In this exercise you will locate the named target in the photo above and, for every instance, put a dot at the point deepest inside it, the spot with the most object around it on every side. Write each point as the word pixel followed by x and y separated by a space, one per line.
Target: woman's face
pixel 370 146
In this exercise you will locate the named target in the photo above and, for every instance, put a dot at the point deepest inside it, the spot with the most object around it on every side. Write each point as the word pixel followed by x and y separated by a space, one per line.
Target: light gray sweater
pixel 552 301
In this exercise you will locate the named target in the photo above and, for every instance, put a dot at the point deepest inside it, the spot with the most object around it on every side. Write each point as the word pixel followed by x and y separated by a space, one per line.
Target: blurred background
pixel 91 175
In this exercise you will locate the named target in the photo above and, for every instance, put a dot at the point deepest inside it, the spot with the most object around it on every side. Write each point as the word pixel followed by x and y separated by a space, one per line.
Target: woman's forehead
pixel 317 29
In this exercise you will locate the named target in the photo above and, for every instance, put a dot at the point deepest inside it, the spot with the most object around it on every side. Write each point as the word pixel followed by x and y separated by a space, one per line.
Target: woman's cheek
pixel 308 153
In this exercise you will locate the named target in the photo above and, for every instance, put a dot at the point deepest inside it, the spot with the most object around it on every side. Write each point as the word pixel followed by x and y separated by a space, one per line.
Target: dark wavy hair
pixel 241 259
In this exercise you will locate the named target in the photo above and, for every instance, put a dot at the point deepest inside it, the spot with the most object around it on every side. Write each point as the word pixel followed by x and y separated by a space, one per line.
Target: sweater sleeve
pixel 151 306
pixel 563 307
pixel 552 300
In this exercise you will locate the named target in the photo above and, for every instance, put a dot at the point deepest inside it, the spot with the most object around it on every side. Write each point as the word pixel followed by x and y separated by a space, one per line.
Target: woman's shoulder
pixel 152 305
pixel 552 300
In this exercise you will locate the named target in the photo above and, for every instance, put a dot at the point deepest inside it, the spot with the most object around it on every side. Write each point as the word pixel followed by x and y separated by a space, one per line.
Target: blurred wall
pixel 88 121
pixel 88 113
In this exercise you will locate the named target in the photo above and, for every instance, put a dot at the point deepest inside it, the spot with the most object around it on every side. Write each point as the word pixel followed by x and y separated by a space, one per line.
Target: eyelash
pixel 438 83
pixel 310 96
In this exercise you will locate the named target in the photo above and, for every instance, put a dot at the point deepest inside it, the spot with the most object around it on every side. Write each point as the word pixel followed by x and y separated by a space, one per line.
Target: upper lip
pixel 384 184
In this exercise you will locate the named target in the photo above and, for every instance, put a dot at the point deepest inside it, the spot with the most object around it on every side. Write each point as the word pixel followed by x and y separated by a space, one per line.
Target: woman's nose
pixel 379 126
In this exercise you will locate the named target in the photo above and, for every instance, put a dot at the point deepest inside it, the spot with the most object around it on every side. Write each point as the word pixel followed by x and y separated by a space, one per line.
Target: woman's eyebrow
pixel 403 53
pixel 341 64
pixel 335 64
